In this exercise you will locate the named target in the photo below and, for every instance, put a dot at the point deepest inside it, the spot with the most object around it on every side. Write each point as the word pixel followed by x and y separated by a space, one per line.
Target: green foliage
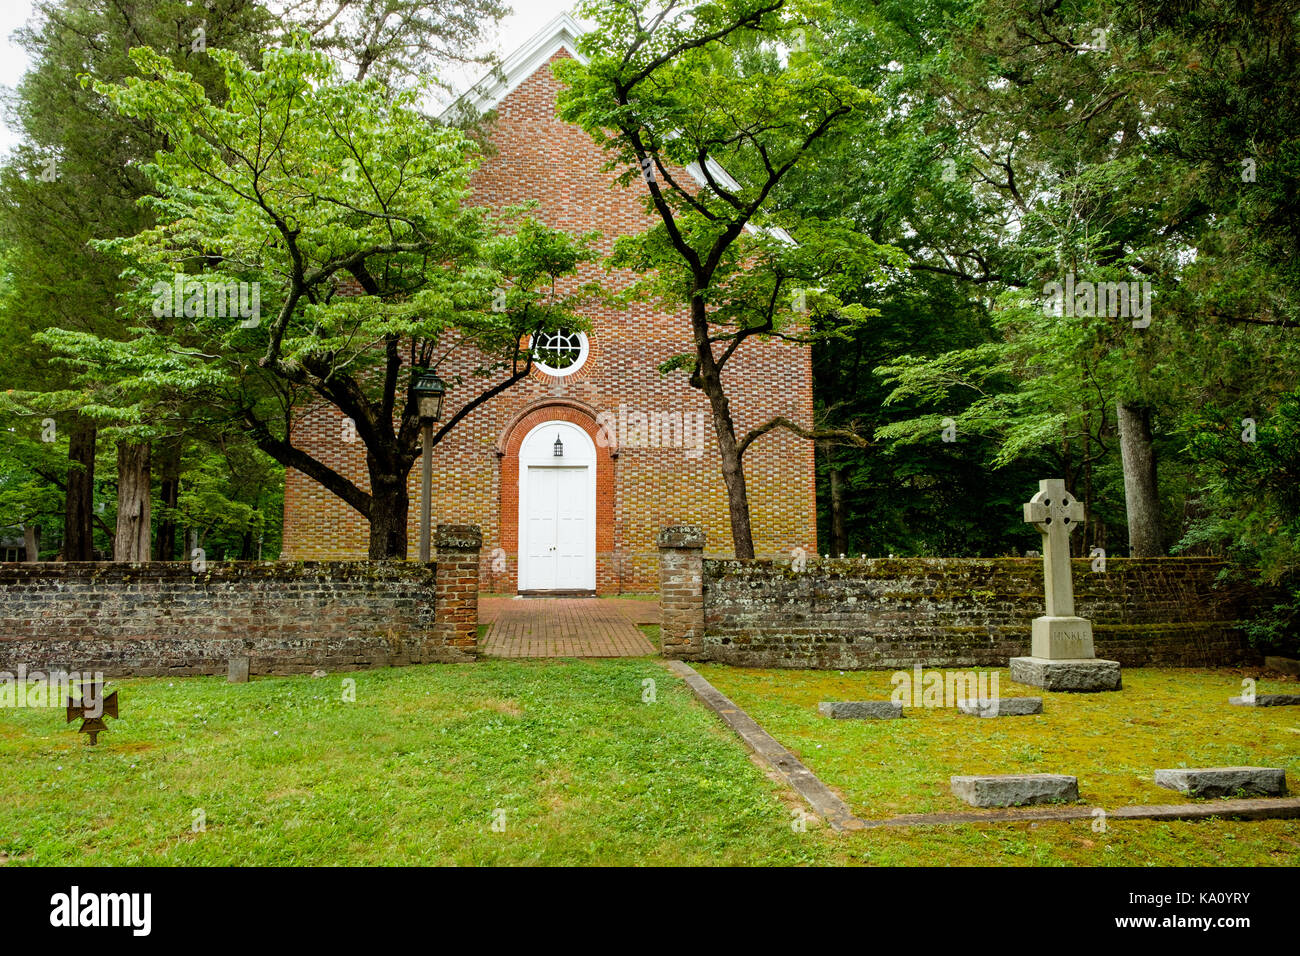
pixel 1026 143
pixel 75 178
pixel 1250 503
pixel 297 181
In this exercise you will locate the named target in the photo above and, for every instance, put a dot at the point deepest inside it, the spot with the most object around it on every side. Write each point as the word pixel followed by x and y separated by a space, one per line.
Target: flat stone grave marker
pixel 1061 650
pixel 1001 706
pixel 1224 781
pixel 1284 665
pixel 860 709
pixel 238 672
pixel 1015 789
pixel 1267 700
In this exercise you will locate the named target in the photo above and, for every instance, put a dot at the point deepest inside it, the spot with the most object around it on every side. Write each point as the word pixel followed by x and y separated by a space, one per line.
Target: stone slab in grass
pixel 1224 781
pixel 1015 789
pixel 237 673
pixel 1284 665
pixel 1001 706
pixel 860 709
pixel 1267 700
pixel 1083 675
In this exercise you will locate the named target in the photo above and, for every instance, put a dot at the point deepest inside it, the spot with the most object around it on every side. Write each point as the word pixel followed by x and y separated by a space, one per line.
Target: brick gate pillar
pixel 456 555
pixel 681 591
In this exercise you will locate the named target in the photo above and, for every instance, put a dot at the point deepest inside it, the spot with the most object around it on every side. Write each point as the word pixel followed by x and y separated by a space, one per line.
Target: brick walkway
pixel 566 627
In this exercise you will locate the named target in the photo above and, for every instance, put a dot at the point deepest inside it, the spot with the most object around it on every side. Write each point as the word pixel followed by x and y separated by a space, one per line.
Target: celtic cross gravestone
pixel 1061 650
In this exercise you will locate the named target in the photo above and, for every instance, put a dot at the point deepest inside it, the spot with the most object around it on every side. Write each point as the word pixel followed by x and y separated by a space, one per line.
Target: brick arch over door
pixel 508 448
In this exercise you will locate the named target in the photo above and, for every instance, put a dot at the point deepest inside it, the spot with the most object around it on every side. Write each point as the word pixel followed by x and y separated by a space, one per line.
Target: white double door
pixel 560 530
pixel 557 509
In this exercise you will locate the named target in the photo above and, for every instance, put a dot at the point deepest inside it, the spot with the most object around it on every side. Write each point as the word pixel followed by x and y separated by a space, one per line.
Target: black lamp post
pixel 429 390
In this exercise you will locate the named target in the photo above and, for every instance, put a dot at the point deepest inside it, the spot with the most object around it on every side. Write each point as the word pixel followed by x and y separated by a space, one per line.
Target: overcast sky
pixel 529 17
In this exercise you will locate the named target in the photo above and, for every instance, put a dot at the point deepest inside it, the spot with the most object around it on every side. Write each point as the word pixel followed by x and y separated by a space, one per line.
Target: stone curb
pixel 1280 808
pixel 840 818
pixel 819 796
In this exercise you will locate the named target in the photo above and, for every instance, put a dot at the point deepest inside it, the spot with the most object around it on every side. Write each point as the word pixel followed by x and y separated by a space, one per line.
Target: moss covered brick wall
pixel 165 618
pixel 888 613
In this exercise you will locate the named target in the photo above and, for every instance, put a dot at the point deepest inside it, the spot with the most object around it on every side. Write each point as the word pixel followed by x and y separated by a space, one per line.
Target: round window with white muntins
pixel 561 352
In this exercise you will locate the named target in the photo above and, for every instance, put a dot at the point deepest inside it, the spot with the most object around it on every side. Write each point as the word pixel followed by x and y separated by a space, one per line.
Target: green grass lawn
pixel 285 771
pixel 651 632
pixel 1111 741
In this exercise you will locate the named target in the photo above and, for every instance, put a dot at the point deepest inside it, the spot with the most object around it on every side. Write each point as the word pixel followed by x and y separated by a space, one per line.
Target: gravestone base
pixel 1224 781
pixel 1015 789
pixel 1001 706
pixel 860 709
pixel 1085 675
pixel 1061 638
pixel 1266 700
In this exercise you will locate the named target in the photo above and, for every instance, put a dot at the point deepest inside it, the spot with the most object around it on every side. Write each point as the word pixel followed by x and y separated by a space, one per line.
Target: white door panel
pixel 557 513
pixel 571 531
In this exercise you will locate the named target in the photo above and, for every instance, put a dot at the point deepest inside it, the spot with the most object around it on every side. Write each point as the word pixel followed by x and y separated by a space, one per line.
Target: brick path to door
pixel 565 627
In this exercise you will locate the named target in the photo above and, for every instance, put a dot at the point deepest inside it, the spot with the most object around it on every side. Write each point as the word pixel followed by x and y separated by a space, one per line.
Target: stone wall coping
pixel 458 537
pixel 688 536
pixel 902 561
pixel 216 570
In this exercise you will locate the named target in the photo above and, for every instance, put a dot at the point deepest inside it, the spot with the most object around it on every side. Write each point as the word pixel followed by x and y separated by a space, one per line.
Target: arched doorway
pixel 557 509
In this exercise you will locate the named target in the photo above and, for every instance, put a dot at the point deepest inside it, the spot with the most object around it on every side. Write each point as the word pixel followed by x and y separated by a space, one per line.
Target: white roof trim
pixel 724 178
pixel 560 34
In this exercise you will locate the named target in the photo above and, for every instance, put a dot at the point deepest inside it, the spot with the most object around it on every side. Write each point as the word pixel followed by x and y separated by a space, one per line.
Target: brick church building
pixel 638 447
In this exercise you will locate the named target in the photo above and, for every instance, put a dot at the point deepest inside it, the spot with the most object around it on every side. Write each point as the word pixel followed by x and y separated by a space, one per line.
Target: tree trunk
pixel 733 471
pixel 169 491
pixel 133 503
pixel 79 499
pixel 1141 492
pixel 733 476
pixel 839 537
pixel 32 542
pixel 389 508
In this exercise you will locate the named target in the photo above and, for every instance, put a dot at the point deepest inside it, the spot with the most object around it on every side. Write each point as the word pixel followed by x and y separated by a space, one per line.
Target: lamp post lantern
pixel 559 447
pixel 429 390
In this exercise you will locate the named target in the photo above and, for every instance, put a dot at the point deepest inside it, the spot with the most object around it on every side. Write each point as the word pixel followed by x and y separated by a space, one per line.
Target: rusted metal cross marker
pixel 92 709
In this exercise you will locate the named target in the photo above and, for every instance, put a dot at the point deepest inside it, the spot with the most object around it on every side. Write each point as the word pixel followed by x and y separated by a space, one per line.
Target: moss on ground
pixel 1112 742
pixel 288 772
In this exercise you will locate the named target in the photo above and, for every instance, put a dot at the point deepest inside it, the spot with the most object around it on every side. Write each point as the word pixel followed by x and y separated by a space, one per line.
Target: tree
pixel 298 185
pixel 398 42
pixel 75 179
pixel 670 87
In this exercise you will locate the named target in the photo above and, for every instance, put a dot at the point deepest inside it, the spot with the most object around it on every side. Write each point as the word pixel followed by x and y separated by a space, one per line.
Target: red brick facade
pixel 639 490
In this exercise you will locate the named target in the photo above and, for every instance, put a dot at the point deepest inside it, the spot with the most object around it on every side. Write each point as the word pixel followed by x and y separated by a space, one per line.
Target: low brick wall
pixel 164 618
pixel 941 612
